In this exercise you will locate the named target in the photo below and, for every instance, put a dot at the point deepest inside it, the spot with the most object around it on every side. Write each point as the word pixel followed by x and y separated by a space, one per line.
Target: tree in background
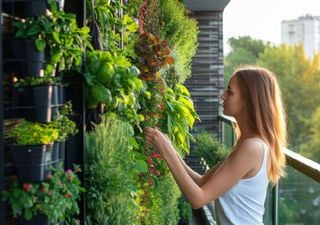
pixel 244 51
pixel 299 81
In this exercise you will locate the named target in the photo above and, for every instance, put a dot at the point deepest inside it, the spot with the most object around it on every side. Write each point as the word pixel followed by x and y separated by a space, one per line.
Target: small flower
pixel 161 106
pixel 49 176
pixel 157 173
pixel 150 181
pixel 152 170
pixel 69 174
pixel 27 187
pixel 149 160
pixel 78 170
pixel 43 190
pixel 156 155
pixel 68 195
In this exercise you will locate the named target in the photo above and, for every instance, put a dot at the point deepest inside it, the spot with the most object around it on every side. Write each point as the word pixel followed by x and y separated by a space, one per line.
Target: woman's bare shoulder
pixel 250 147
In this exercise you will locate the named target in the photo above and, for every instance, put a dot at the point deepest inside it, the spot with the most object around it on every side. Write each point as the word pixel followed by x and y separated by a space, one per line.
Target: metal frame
pixel 75 93
pixel 2 154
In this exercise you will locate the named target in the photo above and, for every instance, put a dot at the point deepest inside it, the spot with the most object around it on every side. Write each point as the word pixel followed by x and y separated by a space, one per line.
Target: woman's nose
pixel 222 96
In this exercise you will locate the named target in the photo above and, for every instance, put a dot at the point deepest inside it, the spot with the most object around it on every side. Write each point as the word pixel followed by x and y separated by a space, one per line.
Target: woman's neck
pixel 245 130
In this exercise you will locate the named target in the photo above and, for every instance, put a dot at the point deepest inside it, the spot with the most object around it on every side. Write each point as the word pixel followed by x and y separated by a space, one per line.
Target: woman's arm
pixel 196 177
pixel 235 167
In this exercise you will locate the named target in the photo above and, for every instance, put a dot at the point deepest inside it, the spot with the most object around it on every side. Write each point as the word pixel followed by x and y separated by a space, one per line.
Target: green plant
pixel 65 126
pixel 209 148
pixel 162 203
pixel 113 81
pixel 34 81
pixel 57 32
pixel 152 55
pixel 178 116
pixel 111 30
pixel 56 197
pixel 32 133
pixel 110 172
pixel 185 210
pixel 181 31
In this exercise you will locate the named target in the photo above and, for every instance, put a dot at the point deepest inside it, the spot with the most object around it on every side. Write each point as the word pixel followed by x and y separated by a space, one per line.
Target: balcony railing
pixel 297 162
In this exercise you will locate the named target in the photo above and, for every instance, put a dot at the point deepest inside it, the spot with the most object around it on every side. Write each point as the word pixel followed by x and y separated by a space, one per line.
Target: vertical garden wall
pixel 133 87
pixel 104 76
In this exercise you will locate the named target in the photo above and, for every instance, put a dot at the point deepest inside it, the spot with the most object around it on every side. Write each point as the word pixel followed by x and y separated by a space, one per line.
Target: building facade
pixel 305 30
pixel 207 81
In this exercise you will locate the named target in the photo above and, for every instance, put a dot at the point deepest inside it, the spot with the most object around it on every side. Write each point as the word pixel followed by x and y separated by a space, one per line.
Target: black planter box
pixel 34 103
pixel 62 150
pixel 27 8
pixel 25 59
pixel 32 154
pixel 37 220
pixel 58 152
pixel 55 151
pixel 34 173
pixel 57 99
pixel 57 95
pixel 55 164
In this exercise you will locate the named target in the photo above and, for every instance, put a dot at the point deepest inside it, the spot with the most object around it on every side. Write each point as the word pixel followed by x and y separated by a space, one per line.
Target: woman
pixel 239 183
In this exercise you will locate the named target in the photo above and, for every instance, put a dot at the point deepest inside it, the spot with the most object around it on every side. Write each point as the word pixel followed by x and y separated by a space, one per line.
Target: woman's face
pixel 233 102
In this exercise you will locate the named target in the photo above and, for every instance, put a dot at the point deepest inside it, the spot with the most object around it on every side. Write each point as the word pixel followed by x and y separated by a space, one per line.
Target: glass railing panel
pixel 267 218
pixel 299 199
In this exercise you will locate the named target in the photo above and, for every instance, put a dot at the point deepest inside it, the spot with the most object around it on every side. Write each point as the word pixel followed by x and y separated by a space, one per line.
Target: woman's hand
pixel 157 140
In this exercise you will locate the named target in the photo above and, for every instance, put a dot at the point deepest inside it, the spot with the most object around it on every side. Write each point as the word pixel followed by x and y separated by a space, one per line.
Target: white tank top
pixel 243 204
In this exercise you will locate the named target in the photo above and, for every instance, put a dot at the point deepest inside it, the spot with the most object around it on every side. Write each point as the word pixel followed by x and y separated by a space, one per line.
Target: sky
pixel 261 19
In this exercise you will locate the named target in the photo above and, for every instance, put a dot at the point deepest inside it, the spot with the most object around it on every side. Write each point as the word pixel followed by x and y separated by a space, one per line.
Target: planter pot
pixel 27 8
pixel 32 154
pixel 26 60
pixel 62 150
pixel 33 173
pixel 37 220
pixel 55 151
pixel 34 103
pixel 32 162
pixel 57 99
pixel 55 164
pixel 58 152
pixel 58 95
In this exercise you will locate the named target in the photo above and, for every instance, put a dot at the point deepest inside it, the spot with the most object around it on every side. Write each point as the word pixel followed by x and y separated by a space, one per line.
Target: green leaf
pixel 56 57
pixel 40 44
pixel 89 79
pixel 34 30
pixel 122 61
pixel 55 36
pixel 28 214
pixel 182 89
pixel 21 33
pixel 141 166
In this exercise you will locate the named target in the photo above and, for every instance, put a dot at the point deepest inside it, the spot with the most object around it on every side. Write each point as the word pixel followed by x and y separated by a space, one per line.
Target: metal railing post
pixel 275 204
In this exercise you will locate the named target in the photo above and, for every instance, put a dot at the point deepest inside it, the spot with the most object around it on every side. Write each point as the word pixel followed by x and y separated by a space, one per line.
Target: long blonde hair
pixel 260 90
